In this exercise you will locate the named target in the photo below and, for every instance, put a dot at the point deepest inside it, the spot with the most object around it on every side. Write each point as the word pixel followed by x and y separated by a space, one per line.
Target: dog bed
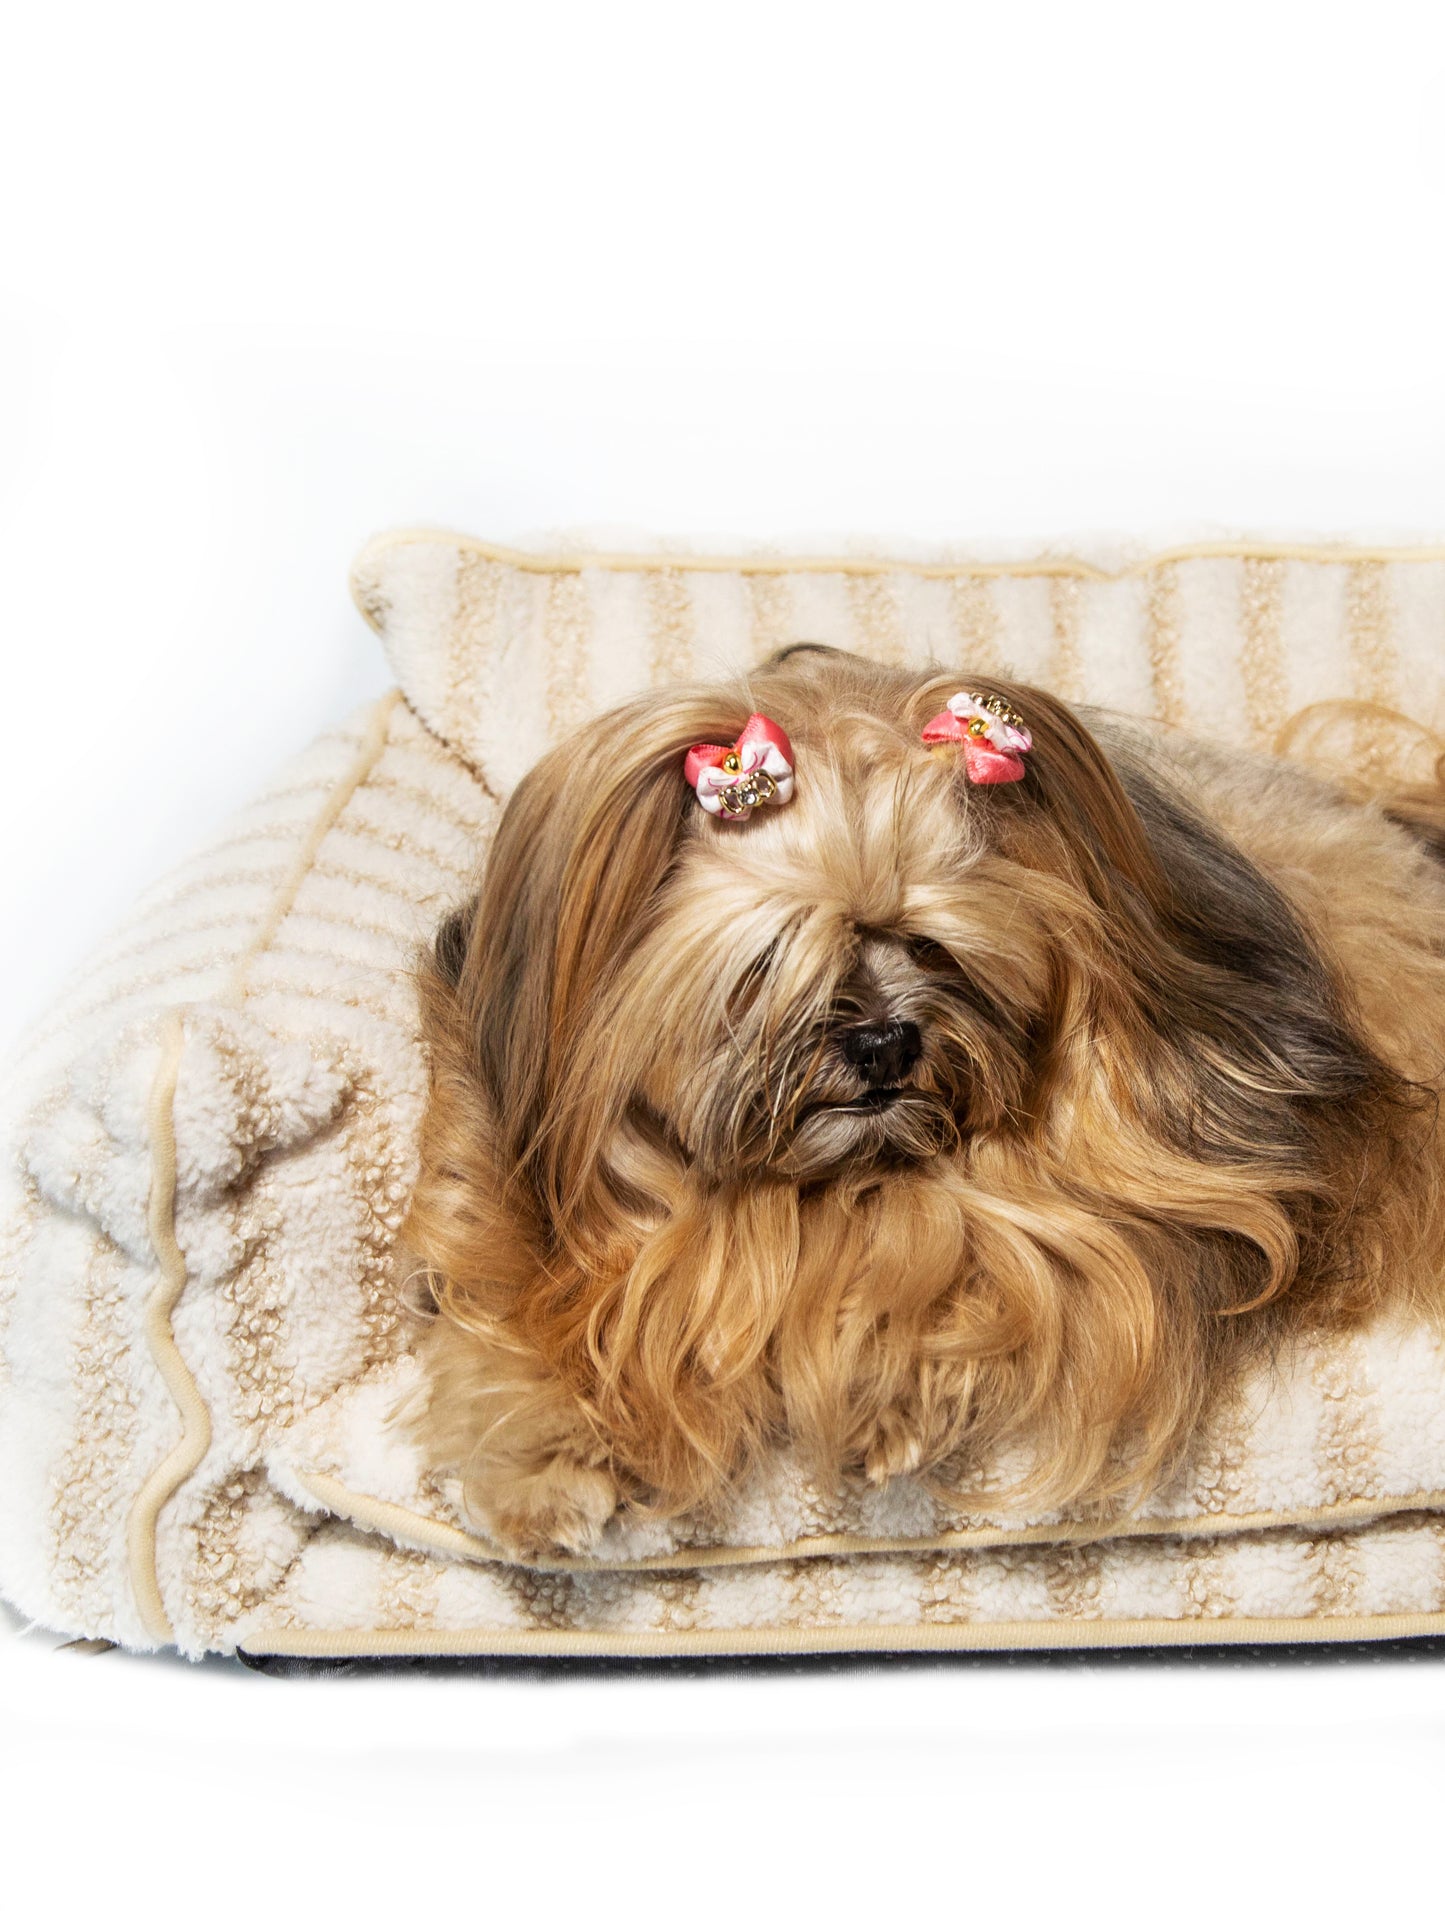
pixel 210 1144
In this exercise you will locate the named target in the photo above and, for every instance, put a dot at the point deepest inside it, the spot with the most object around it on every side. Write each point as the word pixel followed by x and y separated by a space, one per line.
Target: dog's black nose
pixel 883 1052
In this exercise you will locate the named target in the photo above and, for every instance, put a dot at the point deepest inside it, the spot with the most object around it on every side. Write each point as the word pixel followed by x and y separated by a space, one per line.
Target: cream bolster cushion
pixel 210 1143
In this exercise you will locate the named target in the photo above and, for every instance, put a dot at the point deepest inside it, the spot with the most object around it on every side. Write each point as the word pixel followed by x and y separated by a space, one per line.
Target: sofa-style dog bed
pixel 210 1144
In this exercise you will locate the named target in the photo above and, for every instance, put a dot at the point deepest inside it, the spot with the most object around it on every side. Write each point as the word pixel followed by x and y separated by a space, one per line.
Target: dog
pixel 952 1084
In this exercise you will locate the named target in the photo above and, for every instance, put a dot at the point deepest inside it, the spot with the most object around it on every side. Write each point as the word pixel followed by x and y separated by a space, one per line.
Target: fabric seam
pixel 188 1452
pixel 408 1528
pixel 1004 1635
pixel 548 563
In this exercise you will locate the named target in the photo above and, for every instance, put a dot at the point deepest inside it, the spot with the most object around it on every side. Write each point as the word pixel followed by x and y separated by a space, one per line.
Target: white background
pixel 275 277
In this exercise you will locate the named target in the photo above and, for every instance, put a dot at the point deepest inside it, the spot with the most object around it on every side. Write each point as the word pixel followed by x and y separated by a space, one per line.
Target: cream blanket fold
pixel 209 1145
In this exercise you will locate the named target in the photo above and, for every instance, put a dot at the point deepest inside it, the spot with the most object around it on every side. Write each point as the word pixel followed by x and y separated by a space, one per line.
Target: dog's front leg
pixel 533 1474
pixel 895 1448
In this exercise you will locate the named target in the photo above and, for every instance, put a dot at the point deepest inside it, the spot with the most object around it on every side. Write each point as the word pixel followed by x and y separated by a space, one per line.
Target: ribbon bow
pixel 991 732
pixel 736 780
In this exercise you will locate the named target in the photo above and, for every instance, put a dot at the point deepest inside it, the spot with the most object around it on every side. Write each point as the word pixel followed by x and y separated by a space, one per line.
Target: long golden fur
pixel 1181 1014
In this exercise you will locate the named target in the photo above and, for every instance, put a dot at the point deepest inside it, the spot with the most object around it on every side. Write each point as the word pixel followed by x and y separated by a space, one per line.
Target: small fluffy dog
pixel 977 1113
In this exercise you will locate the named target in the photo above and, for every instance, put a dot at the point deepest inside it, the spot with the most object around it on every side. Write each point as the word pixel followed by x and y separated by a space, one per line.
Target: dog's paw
pixel 563 1508
pixel 895 1448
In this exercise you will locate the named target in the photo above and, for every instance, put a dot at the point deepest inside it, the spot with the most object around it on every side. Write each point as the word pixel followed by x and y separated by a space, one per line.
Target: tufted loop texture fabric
pixel 240 1093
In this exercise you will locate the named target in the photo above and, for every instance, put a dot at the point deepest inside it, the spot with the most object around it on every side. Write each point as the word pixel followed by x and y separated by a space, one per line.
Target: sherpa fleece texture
pixel 211 1141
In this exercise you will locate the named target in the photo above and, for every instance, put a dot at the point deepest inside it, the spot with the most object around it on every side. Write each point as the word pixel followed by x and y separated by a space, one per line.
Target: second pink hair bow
pixel 992 735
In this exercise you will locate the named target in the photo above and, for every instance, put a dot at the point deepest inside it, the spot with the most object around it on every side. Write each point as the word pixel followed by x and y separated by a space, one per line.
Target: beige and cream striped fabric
pixel 210 1144
pixel 502 652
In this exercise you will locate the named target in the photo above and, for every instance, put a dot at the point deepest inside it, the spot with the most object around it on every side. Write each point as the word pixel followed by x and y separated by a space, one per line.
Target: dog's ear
pixel 583 848
pixel 1071 798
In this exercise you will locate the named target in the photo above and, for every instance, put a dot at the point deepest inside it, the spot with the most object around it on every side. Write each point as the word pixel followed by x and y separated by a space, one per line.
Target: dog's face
pixel 860 978
pixel 846 981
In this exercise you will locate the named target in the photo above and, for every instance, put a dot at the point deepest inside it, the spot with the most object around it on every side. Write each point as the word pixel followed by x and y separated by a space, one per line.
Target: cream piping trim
pixel 1022 1635
pixel 195 1440
pixel 547 563
pixel 419 1529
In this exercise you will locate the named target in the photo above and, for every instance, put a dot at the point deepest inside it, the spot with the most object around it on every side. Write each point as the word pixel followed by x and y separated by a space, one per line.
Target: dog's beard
pixel 883 1127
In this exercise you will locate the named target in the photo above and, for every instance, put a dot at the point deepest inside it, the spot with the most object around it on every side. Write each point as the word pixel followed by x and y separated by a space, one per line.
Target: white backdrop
pixel 275 277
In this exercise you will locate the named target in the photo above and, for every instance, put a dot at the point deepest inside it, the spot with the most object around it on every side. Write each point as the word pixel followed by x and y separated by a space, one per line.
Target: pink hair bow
pixel 736 780
pixel 991 732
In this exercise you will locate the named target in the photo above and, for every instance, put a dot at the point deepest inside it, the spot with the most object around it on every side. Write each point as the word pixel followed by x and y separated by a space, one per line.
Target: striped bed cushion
pixel 503 652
